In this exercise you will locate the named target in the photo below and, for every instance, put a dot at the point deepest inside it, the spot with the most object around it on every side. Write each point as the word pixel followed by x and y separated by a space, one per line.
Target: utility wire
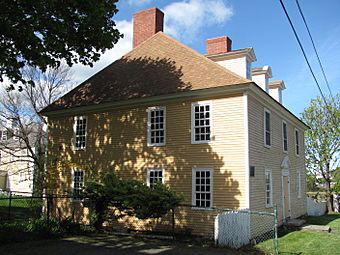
pixel 316 52
pixel 304 53
pixel 310 68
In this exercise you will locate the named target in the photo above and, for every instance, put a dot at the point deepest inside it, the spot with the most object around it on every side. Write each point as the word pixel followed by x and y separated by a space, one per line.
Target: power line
pixel 316 52
pixel 304 53
pixel 310 68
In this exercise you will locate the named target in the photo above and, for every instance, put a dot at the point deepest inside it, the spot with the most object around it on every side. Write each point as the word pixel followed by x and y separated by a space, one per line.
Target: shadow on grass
pixel 323 220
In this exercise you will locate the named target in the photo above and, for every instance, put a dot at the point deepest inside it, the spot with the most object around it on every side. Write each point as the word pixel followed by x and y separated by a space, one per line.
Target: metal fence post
pixel 173 222
pixel 9 204
pixel 276 244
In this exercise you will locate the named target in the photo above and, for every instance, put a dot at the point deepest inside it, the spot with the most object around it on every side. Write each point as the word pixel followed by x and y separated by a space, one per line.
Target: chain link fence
pixel 227 227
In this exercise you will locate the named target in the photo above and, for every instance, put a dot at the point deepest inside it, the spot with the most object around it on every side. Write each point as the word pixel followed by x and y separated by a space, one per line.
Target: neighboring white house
pixel 16 166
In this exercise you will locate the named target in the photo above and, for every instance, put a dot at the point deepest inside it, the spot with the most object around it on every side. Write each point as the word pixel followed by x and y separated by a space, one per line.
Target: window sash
pixel 297 142
pixel 80 132
pixel 202 188
pixel 267 128
pixel 156 126
pixel 78 183
pixel 285 136
pixel 268 188
pixel 201 122
pixel 298 180
pixel 155 176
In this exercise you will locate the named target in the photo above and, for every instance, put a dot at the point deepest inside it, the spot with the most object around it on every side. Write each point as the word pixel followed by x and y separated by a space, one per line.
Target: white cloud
pixel 123 46
pixel 138 2
pixel 184 20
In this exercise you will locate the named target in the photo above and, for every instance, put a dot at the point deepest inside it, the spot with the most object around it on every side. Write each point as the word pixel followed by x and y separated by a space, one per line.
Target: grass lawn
pixel 21 207
pixel 302 242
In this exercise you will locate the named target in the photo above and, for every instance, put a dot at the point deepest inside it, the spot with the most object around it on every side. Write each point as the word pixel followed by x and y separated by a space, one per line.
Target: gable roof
pixel 159 66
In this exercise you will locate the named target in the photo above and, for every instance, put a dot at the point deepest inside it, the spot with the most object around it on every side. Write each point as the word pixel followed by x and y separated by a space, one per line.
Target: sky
pixel 260 24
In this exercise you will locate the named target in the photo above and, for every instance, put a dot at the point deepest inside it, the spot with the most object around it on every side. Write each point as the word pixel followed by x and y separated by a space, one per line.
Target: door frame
pixel 285 173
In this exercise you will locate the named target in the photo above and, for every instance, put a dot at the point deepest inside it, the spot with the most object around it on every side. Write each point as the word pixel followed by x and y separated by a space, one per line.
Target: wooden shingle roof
pixel 159 66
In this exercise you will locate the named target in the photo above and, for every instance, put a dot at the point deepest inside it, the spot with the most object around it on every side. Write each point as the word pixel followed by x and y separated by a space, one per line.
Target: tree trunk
pixel 329 198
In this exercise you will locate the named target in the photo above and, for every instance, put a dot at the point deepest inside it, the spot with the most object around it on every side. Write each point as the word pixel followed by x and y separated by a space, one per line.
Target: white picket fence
pixel 315 208
pixel 237 228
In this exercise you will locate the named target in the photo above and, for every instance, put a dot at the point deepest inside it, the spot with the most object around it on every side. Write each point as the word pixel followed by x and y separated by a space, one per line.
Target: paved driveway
pixel 111 245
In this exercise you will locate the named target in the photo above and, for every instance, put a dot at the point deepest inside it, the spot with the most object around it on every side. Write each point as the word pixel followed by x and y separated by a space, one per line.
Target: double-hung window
pixel 202 187
pixel 4 135
pixel 78 183
pixel 298 184
pixel 284 136
pixel 201 122
pixel 269 188
pixel 297 142
pixel 267 129
pixel 155 176
pixel 156 126
pixel 80 132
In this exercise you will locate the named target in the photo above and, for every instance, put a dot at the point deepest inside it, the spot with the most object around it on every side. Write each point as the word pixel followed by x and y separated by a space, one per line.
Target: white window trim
pixel 298 180
pixel 75 129
pixel 149 126
pixel 193 121
pixel 154 169
pixel 268 171
pixel 297 139
pixel 283 138
pixel 264 128
pixel 193 188
pixel 72 183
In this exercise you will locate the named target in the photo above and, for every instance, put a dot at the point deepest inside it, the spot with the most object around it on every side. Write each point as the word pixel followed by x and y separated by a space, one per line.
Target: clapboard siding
pixel 271 158
pixel 118 140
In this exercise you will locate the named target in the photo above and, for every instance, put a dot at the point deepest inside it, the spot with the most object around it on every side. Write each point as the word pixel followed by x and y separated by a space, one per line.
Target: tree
pixel 42 33
pixel 128 197
pixel 323 142
pixel 26 129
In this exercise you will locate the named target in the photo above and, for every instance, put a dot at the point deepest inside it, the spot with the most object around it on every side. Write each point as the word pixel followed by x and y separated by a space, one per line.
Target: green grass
pixel 301 242
pixel 21 207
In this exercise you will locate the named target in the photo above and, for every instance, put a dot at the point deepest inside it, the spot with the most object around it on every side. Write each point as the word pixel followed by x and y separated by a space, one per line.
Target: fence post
pixel 173 222
pixel 9 205
pixel 276 244
pixel 48 209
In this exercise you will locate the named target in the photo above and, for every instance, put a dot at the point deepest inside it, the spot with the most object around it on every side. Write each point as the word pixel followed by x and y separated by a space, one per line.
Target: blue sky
pixel 260 24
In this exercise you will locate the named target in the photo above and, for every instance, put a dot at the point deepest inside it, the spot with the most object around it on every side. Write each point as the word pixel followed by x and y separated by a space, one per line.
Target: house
pixel 16 166
pixel 210 126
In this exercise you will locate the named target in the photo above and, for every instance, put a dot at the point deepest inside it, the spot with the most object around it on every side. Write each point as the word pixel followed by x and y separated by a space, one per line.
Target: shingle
pixel 161 65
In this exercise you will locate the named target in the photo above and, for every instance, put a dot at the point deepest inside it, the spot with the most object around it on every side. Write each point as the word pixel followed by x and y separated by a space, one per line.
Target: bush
pixel 130 197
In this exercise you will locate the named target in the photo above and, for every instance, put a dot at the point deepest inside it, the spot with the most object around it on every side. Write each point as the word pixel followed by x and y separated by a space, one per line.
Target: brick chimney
pixel 145 24
pixel 218 45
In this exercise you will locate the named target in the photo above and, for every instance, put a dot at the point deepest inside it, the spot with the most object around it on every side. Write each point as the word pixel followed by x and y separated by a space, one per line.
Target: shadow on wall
pixel 118 140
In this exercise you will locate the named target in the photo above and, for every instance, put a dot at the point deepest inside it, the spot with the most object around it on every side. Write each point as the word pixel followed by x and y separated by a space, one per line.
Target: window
pixel 202 188
pixel 201 122
pixel 297 142
pixel 155 176
pixel 252 171
pixel 284 136
pixel 156 126
pixel 298 181
pixel 80 126
pixel 78 183
pixel 269 188
pixel 4 135
pixel 267 129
